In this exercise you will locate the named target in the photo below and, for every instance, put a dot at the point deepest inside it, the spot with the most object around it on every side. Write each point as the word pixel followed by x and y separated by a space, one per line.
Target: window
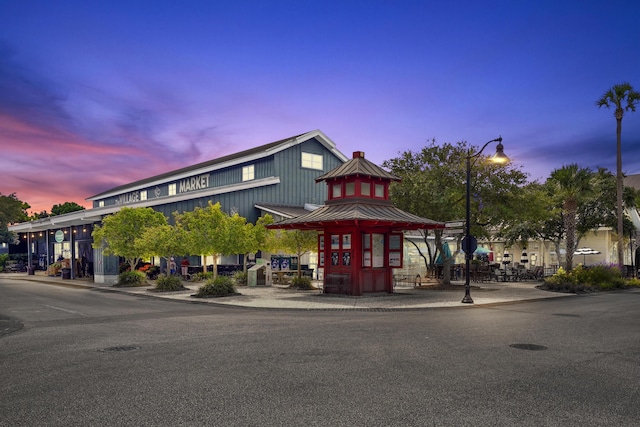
pixel 143 195
pixel 350 189
pixel 312 161
pixel 365 189
pixel 101 203
pixel 248 173
pixel 379 190
pixel 172 189
pixel 336 190
pixel 395 250
pixel 340 246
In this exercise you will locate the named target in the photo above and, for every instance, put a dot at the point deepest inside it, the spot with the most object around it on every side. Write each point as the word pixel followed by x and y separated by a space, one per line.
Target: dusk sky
pixel 96 94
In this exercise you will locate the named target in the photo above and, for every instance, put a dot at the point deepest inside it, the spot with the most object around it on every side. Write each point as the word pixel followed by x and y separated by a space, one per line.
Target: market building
pixel 276 178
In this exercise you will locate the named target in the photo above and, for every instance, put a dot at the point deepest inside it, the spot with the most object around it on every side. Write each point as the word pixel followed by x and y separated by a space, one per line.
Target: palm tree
pixel 616 97
pixel 572 186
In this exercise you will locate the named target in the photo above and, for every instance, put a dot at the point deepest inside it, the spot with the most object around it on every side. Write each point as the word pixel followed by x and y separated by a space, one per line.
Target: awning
pixel 72 219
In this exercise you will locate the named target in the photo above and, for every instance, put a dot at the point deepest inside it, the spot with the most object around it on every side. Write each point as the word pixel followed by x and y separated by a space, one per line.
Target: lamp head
pixel 499 156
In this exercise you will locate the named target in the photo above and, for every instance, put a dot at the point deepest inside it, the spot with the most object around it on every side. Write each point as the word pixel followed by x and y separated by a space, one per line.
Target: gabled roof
pixel 285 211
pixel 251 154
pixel 360 166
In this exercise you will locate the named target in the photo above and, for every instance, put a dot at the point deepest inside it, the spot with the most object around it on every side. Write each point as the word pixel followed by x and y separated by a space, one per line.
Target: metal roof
pixel 284 211
pixel 225 161
pixel 361 213
pixel 358 165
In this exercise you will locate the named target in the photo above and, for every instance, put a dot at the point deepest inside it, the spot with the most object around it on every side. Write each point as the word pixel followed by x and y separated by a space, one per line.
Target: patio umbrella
pixel 506 259
pixel 482 253
pixel 524 258
pixel 444 253
pixel 584 252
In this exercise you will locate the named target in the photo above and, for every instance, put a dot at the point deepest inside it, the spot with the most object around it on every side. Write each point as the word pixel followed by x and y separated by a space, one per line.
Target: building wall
pixel 295 188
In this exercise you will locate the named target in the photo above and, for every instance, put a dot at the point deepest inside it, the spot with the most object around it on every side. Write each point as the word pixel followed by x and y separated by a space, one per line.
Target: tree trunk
pixel 426 261
pixel 619 193
pixel 446 270
pixel 570 225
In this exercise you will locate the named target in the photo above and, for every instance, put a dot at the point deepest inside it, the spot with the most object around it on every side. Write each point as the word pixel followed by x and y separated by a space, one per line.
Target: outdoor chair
pixel 510 275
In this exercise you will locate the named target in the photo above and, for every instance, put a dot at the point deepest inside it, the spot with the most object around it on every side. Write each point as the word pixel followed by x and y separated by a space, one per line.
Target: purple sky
pixel 95 94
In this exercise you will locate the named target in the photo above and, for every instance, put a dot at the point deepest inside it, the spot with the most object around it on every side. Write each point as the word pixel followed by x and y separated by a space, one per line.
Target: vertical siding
pixel 297 185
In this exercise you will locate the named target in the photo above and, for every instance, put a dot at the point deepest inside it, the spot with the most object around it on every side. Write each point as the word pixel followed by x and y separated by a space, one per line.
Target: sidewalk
pixel 276 297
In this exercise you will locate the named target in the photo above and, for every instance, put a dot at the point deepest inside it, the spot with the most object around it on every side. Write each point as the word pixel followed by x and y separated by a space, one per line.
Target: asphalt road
pixel 71 357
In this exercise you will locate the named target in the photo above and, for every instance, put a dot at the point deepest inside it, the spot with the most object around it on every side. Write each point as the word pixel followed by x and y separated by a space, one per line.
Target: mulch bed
pixel 216 296
pixel 168 290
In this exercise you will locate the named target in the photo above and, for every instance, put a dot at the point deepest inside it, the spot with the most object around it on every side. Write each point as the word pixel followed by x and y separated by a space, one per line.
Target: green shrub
pixel 240 277
pixel 3 261
pixel 581 279
pixel 221 286
pixel 301 282
pixel 132 278
pixel 633 282
pixel 169 283
pixel 201 277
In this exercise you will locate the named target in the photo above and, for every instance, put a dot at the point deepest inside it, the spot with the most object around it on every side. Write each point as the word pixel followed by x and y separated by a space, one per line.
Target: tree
pixel 208 232
pixel 253 238
pixel 119 232
pixel 534 218
pixel 41 215
pixel 297 242
pixel 571 186
pixel 433 186
pixel 545 219
pixel 624 98
pixel 12 210
pixel 163 241
pixel 66 207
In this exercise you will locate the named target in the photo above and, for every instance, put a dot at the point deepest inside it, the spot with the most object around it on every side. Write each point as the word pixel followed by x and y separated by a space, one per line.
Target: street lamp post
pixel 470 243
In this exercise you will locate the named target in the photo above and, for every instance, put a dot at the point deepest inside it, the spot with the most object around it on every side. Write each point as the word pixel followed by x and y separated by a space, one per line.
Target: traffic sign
pixel 469 244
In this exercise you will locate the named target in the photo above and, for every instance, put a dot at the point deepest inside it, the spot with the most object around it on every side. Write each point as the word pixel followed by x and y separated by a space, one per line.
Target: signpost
pixel 453 224
pixel 451 231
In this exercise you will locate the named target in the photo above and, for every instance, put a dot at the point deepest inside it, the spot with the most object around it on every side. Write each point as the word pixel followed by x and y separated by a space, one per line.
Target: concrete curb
pixel 489 294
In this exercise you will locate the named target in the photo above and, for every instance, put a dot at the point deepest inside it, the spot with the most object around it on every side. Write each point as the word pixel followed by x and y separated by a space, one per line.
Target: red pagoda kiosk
pixel 361 232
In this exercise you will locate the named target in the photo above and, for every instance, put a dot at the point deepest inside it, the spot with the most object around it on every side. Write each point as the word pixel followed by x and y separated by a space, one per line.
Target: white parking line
pixel 64 309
